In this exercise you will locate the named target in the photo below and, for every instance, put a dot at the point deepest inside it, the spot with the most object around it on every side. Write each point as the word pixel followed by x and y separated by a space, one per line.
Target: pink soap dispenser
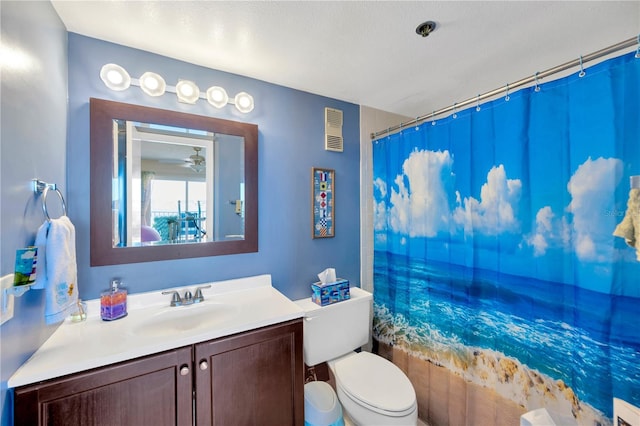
pixel 113 302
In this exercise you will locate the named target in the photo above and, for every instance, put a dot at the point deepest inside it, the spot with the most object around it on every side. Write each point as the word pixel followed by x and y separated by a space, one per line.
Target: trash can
pixel 321 405
pixel 544 417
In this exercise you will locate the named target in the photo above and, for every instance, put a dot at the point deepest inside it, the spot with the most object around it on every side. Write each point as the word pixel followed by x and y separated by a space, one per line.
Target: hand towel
pixel 629 228
pixel 57 270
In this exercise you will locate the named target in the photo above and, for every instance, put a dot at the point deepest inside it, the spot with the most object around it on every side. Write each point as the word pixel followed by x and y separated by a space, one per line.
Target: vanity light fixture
pixel 117 78
pixel 217 96
pixel 187 92
pixel 152 84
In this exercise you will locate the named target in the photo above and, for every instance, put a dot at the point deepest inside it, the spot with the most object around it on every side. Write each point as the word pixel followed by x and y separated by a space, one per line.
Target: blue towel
pixel 57 270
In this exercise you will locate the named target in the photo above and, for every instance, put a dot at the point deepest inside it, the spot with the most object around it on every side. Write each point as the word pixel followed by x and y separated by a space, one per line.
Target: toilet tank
pixel 335 330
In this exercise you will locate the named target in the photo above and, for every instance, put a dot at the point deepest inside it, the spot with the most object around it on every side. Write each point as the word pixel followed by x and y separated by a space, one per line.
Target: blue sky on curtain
pixel 494 253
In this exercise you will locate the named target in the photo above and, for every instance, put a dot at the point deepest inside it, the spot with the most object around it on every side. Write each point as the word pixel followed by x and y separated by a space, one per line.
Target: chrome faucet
pixel 188 298
pixel 175 299
pixel 199 297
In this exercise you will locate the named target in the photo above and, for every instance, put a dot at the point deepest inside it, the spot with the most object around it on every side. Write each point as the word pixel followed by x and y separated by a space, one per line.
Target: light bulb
pixel 244 102
pixel 187 91
pixel 152 84
pixel 115 77
pixel 217 96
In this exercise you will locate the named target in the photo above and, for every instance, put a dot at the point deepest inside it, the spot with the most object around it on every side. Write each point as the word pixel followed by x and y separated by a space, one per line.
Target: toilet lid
pixel 376 382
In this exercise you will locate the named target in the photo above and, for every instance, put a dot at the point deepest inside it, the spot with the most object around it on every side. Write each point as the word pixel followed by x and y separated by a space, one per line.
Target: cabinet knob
pixel 184 370
pixel 203 365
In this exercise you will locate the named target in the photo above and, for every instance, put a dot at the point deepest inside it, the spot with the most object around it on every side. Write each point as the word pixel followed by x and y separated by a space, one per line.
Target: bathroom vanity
pixel 243 366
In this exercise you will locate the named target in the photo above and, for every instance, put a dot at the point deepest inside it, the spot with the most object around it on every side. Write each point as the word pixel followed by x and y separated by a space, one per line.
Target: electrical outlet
pixel 6 298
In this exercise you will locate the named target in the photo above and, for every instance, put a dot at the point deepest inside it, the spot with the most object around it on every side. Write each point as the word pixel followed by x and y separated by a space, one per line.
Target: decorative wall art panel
pixel 323 205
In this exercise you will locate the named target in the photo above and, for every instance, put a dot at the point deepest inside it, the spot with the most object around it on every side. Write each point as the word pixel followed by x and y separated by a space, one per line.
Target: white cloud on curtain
pixel 496 272
pixel 496 212
pixel 590 189
pixel 422 211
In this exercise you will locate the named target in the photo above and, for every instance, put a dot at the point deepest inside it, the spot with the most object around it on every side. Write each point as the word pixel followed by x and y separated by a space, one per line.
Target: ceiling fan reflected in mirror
pixel 197 161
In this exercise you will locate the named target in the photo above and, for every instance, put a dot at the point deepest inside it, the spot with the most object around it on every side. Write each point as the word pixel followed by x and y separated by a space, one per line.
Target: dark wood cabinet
pixel 251 378
pixel 254 378
pixel 145 391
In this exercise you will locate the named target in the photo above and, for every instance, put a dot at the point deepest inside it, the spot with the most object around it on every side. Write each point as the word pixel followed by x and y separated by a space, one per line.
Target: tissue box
pixel 328 293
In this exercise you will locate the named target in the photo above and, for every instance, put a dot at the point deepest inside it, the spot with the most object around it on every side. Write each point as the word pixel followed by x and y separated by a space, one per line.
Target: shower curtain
pixel 498 285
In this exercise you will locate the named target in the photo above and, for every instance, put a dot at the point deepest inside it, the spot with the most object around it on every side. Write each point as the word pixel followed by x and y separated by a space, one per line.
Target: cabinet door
pixel 253 378
pixel 154 390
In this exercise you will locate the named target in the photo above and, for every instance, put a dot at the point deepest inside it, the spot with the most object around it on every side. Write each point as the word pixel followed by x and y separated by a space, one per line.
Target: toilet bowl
pixel 372 390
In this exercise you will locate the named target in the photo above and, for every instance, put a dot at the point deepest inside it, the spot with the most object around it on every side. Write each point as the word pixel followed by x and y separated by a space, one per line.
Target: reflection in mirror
pixel 177 185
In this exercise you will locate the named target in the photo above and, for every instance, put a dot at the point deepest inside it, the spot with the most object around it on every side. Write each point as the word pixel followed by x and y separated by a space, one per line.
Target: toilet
pixel 372 390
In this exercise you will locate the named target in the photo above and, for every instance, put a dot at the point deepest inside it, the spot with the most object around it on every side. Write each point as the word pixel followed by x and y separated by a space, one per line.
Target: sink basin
pixel 182 319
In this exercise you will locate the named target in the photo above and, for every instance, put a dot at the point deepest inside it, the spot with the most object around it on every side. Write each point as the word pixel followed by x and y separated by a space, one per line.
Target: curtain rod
pixel 537 76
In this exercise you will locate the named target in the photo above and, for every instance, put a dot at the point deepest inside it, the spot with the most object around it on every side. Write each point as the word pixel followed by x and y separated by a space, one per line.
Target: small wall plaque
pixel 323 202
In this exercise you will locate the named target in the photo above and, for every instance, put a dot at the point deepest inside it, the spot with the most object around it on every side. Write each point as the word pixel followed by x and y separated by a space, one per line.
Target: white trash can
pixel 542 417
pixel 321 405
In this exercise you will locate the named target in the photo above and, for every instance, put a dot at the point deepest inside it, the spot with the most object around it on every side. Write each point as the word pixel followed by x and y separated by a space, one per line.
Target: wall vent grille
pixel 333 140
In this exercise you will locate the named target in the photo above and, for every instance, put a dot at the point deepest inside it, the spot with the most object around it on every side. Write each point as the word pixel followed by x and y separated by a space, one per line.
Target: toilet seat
pixel 376 384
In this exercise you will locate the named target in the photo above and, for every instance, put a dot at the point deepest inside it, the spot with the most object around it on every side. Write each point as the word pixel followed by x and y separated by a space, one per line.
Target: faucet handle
pixel 199 297
pixel 175 299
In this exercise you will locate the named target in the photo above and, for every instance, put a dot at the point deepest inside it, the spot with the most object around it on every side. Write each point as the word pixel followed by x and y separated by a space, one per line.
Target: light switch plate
pixel 6 298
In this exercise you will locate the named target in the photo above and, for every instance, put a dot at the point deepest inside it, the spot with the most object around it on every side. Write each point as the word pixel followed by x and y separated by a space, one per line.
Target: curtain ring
pixel 537 89
pixel 417 125
pixel 433 122
pixel 638 50
pixel 478 103
pixel 506 98
pixel 455 114
pixel 582 73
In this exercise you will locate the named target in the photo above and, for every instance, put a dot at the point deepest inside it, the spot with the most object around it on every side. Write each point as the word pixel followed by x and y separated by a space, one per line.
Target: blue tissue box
pixel 326 294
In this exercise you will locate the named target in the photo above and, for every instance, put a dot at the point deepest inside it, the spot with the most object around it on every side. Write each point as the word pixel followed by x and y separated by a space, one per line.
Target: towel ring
pixel 43 188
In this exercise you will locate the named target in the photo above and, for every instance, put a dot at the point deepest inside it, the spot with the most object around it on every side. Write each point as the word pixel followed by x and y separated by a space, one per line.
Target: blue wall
pixel 291 142
pixel 33 132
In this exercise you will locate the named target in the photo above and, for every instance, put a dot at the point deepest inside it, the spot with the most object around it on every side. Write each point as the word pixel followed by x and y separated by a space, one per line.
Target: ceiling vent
pixel 333 130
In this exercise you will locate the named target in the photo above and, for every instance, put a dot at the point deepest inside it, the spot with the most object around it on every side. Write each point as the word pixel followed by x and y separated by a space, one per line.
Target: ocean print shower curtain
pixel 498 285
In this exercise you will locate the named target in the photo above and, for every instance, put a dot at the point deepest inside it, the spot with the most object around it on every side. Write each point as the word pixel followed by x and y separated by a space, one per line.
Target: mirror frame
pixel 102 114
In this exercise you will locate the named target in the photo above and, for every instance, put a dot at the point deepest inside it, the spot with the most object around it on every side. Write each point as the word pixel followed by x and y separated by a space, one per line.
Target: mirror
pixel 176 186
pixel 169 185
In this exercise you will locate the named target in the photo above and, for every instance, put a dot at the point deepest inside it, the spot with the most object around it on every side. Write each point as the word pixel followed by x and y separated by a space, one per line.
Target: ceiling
pixel 365 52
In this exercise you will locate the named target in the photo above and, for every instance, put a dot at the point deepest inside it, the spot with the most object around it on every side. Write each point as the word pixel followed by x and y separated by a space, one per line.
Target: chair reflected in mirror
pixel 191 224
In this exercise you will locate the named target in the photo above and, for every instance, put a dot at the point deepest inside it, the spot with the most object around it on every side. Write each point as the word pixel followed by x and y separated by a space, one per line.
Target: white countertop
pixel 80 346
